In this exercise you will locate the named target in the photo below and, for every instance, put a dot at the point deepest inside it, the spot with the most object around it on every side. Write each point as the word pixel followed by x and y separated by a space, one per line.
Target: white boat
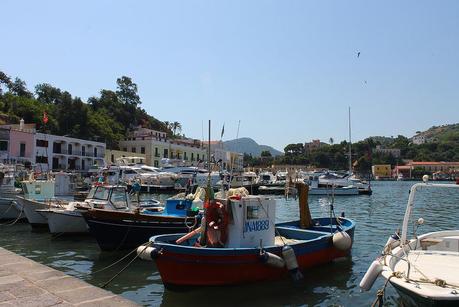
pixel 334 179
pixel 70 219
pixel 64 220
pixel 266 178
pixel 196 177
pixel 316 189
pixel 424 269
pixel 8 193
pixel 281 177
pixel 243 180
pixel 38 194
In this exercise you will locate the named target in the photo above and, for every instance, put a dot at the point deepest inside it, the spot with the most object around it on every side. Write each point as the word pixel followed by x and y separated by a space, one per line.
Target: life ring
pixel 216 219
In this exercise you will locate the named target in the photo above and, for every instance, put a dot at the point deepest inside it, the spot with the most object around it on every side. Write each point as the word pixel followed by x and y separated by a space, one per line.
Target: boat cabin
pixel 251 222
pixel 109 197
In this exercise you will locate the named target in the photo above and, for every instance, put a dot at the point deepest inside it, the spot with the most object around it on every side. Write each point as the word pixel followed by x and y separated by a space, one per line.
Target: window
pixel 142 150
pixel 37 189
pixel 156 163
pixel 4 145
pixel 42 143
pixel 22 149
pixel 192 156
pixel 197 157
pixel 101 193
pixel 69 148
pixel 252 212
pixel 156 152
pixel 95 151
pixel 83 151
pixel 113 158
pixel 166 153
pixel 184 156
pixel 41 159
pixel 133 149
pixel 119 198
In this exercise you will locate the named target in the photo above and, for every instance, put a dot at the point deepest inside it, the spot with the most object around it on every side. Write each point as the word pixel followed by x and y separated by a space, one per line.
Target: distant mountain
pixel 249 146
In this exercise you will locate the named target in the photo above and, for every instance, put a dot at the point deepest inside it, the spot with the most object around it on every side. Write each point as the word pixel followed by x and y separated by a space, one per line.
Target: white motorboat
pixel 316 189
pixel 334 179
pixel 70 219
pixel 281 177
pixel 424 269
pixel 266 178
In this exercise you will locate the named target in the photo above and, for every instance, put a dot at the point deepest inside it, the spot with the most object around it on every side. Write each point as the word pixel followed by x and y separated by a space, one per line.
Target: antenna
pixel 233 159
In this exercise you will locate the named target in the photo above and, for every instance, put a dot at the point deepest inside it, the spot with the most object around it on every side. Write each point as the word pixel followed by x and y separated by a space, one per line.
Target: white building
pixel 388 151
pixel 419 139
pixel 53 152
pixel 230 160
pixel 49 152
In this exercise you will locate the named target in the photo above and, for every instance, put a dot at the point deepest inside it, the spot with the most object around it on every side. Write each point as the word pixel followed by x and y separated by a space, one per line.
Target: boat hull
pixel 336 191
pixel 410 298
pixel 65 221
pixel 121 230
pixel 29 206
pixel 191 266
pixel 8 210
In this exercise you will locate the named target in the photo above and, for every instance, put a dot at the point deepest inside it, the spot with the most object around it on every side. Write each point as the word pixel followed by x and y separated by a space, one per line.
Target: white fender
pixel 146 253
pixel 272 260
pixel 392 242
pixel 342 241
pixel 290 261
pixel 370 276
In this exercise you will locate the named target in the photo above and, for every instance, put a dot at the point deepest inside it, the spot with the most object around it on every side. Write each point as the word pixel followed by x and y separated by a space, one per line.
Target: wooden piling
pixel 305 214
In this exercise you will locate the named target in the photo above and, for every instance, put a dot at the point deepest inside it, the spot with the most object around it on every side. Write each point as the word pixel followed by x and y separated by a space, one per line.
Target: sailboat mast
pixel 350 144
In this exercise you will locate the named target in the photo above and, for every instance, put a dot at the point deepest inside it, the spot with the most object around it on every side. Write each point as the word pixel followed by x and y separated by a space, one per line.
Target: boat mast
pixel 350 144
pixel 208 193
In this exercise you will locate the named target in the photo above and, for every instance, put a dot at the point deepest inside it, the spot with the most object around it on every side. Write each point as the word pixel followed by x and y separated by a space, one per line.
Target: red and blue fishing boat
pixel 238 243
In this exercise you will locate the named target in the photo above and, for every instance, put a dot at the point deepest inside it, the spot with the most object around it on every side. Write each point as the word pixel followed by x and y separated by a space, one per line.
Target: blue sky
pixel 287 69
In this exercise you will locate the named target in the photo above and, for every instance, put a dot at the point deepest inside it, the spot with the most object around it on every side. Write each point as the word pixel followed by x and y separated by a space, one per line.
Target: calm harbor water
pixel 377 216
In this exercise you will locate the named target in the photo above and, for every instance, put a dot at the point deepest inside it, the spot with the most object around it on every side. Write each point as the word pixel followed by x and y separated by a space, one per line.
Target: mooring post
pixel 305 214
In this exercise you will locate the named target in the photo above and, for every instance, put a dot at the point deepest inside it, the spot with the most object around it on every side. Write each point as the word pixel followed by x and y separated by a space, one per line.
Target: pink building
pixel 21 145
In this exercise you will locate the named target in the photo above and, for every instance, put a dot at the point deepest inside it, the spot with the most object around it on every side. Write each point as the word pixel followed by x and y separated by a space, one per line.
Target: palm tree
pixel 168 125
pixel 331 141
pixel 176 126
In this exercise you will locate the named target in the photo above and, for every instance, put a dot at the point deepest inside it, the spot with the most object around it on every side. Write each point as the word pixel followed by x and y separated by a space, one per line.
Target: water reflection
pixel 377 216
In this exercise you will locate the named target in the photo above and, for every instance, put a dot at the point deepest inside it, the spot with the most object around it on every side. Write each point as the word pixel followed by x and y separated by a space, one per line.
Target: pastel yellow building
pixel 111 156
pixel 155 145
pixel 381 170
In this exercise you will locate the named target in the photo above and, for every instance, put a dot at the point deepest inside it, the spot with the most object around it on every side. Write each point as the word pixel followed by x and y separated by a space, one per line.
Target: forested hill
pixel 106 117
pixel 442 134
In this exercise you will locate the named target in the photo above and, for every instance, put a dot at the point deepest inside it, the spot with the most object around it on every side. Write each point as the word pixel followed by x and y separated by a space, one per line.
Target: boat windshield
pixel 119 198
pixel 99 193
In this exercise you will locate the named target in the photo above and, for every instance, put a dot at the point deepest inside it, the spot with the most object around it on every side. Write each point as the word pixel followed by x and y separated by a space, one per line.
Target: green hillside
pixel 107 117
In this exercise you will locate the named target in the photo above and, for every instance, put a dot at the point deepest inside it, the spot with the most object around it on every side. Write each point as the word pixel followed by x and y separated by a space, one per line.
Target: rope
pixel 381 292
pixel 6 211
pixel 127 265
pixel 275 228
pixel 16 220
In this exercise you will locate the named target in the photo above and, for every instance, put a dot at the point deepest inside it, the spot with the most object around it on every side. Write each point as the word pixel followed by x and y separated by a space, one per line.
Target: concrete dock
pixel 24 282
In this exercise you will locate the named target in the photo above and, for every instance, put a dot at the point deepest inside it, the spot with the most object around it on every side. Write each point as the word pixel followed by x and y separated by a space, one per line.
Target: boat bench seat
pixel 304 234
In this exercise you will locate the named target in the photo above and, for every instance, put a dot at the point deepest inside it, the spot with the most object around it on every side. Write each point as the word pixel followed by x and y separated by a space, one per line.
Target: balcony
pixel 60 152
